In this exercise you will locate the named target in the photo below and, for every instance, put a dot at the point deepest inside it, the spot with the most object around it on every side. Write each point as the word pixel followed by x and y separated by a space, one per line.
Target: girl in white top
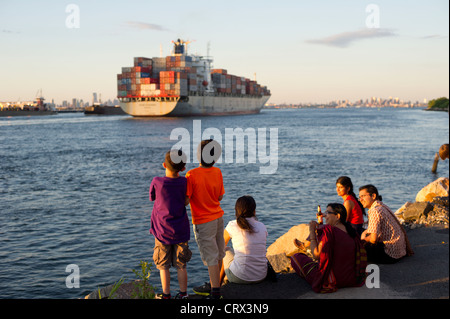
pixel 246 262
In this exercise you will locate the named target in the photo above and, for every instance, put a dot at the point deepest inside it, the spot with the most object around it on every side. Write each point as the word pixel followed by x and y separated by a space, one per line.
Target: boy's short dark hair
pixel 208 155
pixel 175 160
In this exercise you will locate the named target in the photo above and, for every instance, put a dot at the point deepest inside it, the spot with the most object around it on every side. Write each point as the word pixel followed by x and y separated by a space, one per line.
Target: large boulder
pixel 279 252
pixel 416 210
pixel 399 212
pixel 437 188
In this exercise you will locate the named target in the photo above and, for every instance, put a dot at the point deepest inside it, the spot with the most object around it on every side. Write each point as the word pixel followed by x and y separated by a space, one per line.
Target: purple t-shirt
pixel 169 220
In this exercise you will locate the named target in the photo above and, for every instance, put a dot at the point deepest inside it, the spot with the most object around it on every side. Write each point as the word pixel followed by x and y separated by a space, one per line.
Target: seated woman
pixel 246 262
pixel 341 257
pixel 355 211
pixel 385 239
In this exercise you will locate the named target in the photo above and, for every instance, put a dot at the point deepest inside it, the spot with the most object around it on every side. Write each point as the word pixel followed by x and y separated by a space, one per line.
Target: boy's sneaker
pixel 162 296
pixel 210 296
pixel 181 296
pixel 204 290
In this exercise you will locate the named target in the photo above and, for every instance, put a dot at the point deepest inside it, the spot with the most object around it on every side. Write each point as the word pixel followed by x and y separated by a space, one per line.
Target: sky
pixel 304 51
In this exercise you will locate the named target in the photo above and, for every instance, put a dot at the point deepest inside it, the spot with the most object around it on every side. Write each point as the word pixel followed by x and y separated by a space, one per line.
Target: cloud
pixel 433 36
pixel 345 39
pixel 9 31
pixel 145 26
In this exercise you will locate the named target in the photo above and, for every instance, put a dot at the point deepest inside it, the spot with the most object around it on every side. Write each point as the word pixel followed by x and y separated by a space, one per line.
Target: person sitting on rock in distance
pixel 444 152
pixel 340 253
pixel 384 239
pixel 443 155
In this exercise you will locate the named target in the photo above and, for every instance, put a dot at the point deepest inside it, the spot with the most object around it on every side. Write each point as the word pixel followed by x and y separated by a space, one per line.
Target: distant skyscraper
pixel 94 98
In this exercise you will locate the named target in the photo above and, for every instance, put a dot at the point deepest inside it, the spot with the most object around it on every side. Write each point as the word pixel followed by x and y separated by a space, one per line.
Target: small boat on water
pixel 98 109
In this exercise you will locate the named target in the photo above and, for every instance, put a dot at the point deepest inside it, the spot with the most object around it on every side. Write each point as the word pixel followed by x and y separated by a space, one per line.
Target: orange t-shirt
pixel 204 187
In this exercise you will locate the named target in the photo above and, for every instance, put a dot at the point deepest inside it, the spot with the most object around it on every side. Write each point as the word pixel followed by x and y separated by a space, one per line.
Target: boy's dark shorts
pixel 176 255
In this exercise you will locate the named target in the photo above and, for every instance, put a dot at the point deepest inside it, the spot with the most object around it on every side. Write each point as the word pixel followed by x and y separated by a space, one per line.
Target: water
pixel 74 188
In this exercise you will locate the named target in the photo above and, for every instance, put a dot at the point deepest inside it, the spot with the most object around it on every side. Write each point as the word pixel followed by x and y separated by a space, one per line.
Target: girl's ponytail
pixel 245 208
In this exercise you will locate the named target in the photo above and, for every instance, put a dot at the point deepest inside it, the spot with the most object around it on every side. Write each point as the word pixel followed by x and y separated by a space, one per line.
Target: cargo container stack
pixel 185 73
pixel 180 75
pixel 230 84
pixel 134 81
pixel 173 83
pixel 159 64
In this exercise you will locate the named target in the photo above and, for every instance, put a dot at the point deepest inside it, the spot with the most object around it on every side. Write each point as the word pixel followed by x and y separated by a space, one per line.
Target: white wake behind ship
pixel 186 85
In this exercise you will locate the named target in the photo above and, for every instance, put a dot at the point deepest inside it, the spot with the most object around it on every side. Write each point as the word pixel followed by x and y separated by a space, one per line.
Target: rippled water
pixel 74 188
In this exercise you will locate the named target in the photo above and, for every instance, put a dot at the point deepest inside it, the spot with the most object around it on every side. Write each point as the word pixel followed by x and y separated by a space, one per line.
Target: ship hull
pixel 104 110
pixel 196 106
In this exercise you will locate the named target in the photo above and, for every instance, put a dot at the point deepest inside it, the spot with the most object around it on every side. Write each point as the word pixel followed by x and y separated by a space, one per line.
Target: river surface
pixel 74 188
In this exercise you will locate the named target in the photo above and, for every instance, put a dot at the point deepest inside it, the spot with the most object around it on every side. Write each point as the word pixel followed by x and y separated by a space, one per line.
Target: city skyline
pixel 368 102
pixel 304 52
pixel 380 101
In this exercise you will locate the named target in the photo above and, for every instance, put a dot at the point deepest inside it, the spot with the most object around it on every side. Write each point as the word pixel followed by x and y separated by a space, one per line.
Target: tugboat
pixel 38 107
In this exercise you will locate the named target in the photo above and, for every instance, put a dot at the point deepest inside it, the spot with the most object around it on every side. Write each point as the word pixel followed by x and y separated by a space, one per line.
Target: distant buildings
pixel 80 104
pixel 74 104
pixel 372 102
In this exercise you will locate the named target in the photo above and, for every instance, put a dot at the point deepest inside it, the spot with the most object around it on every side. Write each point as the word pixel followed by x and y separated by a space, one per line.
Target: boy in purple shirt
pixel 170 223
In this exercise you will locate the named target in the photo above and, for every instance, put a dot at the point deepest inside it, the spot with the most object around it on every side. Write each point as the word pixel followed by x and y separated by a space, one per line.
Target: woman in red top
pixel 355 211
pixel 341 257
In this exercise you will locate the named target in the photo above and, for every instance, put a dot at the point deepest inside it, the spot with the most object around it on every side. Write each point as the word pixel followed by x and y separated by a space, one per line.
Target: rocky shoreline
pixel 430 207
pixel 424 275
pixel 437 110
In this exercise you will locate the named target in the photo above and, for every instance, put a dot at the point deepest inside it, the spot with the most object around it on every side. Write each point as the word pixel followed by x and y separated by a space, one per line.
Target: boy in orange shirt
pixel 205 191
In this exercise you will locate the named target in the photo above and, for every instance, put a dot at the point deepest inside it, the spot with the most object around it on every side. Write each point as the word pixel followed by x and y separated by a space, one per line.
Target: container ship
pixel 186 85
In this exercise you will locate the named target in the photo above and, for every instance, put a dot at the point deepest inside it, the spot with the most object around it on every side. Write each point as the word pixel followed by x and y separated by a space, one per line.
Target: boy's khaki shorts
pixel 209 238
pixel 176 255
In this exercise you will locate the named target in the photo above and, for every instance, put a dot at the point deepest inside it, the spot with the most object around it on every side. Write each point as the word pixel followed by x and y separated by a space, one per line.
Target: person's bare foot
pixel 299 244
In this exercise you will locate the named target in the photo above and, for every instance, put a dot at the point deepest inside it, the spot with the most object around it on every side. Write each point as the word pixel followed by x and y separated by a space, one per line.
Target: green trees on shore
pixel 441 104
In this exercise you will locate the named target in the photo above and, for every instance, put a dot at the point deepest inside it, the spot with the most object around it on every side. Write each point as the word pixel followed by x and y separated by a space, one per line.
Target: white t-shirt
pixel 250 263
